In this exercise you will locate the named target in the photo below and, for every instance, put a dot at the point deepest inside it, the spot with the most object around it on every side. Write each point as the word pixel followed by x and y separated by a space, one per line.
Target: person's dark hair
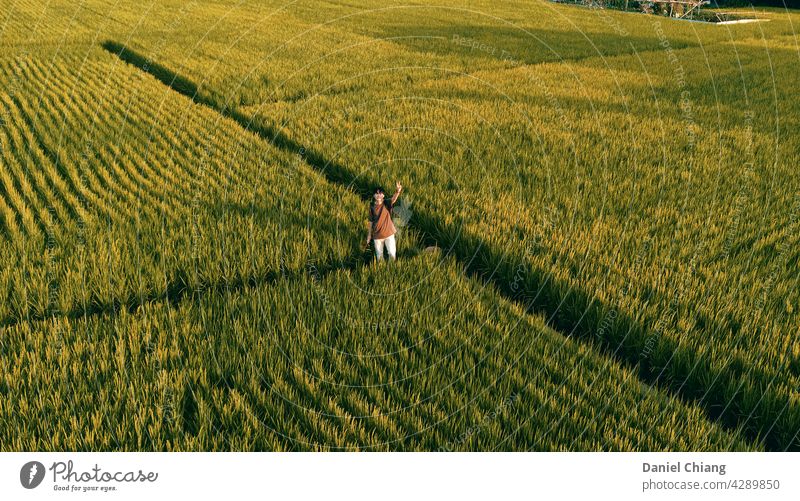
pixel 378 190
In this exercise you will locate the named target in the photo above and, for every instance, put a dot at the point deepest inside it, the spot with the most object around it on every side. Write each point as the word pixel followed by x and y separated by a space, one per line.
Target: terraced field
pixel 183 200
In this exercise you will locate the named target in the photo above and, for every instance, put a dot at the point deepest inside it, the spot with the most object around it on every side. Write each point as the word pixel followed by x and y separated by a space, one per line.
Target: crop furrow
pixel 672 366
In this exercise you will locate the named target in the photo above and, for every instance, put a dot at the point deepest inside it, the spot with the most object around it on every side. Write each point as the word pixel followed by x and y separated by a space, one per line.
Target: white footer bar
pixel 401 476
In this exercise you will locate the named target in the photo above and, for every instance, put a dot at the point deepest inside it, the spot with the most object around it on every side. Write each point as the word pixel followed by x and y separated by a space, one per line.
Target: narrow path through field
pixel 678 373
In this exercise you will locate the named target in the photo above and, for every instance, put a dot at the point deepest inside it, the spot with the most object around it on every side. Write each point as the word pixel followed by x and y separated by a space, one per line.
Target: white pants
pixel 388 242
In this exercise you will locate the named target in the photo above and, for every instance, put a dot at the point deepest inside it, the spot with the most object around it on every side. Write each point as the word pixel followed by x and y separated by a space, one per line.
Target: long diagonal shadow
pixel 736 395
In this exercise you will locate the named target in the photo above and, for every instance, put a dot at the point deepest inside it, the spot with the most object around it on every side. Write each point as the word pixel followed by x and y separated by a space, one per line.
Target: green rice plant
pixel 405 356
pixel 630 179
pixel 129 207
pixel 615 197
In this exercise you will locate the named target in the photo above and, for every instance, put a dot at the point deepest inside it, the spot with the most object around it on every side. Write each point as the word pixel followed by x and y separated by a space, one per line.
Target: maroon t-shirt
pixel 381 219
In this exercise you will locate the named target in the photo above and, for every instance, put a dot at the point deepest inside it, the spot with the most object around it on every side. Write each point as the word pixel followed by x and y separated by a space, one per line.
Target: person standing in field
pixel 381 228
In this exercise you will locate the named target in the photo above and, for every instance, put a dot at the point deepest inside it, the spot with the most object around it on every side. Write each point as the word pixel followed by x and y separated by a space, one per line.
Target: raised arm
pixel 397 192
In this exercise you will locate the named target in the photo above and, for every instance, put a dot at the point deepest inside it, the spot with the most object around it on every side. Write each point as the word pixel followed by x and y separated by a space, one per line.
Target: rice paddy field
pixel 613 199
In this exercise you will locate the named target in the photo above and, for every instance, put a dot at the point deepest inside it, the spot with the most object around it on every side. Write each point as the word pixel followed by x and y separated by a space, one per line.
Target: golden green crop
pixel 332 363
pixel 146 196
pixel 655 192
pixel 191 172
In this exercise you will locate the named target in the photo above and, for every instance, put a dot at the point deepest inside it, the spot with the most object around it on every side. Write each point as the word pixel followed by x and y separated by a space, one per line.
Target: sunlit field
pixel 598 242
